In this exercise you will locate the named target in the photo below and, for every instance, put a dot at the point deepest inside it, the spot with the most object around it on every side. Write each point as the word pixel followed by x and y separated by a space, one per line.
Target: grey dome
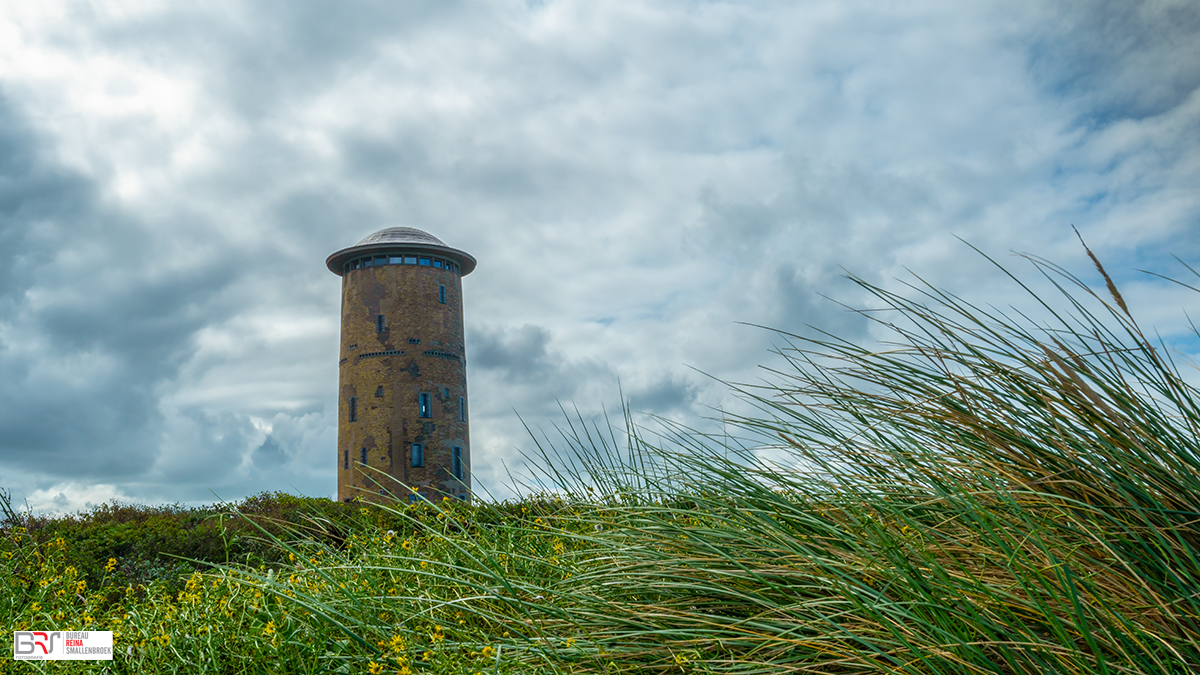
pixel 400 239
pixel 401 235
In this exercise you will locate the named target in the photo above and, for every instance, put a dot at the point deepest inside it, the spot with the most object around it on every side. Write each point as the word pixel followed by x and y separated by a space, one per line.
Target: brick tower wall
pixel 420 350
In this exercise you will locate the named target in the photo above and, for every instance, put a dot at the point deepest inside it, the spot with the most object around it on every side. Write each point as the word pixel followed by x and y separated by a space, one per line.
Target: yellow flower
pixel 36 607
pixel 112 565
pixel 488 652
pixel 269 629
pixel 375 668
pixel 407 545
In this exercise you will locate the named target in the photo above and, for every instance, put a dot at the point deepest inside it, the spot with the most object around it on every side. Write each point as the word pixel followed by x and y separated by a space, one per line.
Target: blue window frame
pixel 417 455
pixel 362 455
pixel 458 463
pixel 380 324
pixel 442 294
pixel 353 408
pixel 345 459
pixel 425 261
pixel 462 408
pixel 424 407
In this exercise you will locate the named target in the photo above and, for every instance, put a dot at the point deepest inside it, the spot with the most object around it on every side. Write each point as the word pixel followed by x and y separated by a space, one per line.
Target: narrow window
pixel 442 294
pixel 366 262
pixel 418 455
pixel 353 408
pixel 425 261
pixel 462 409
pixel 379 324
pixel 437 264
pixel 357 264
pixel 362 454
pixel 458 467
pixel 345 459
pixel 379 391
pixel 446 394
pixel 424 409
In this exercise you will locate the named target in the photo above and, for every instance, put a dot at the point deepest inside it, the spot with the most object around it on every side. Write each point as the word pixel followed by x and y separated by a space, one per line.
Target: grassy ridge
pixel 987 494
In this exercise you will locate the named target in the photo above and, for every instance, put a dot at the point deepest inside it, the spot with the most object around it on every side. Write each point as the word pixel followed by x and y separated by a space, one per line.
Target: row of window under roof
pixel 400 259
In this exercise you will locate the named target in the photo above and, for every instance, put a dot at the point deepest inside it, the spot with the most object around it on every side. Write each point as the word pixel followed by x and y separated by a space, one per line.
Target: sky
pixel 644 185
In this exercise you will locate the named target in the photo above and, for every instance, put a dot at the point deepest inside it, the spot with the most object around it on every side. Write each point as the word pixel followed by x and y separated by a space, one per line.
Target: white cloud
pixel 73 497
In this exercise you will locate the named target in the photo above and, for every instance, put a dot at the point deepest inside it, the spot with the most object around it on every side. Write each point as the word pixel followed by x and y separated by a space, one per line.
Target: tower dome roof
pixel 401 235
pixel 400 239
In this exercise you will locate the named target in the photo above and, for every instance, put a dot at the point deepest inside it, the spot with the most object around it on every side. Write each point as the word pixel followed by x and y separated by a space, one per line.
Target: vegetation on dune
pixel 987 494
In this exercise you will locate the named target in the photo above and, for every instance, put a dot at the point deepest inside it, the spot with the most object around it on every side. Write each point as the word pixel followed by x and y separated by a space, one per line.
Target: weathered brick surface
pixel 387 421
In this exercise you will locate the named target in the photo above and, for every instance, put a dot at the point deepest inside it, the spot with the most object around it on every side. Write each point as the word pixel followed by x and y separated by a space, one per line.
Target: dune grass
pixel 987 493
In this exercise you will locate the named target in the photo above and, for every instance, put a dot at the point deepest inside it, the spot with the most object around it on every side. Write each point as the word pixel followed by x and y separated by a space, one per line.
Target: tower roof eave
pixel 401 239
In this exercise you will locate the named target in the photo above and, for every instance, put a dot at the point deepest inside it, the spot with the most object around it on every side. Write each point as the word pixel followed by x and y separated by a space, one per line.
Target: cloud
pixel 72 497
pixel 638 182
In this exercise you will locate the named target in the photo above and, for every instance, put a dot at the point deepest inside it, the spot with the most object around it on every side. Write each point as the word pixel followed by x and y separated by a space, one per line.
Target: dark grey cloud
pixel 523 356
pixel 1126 59
pixel 66 391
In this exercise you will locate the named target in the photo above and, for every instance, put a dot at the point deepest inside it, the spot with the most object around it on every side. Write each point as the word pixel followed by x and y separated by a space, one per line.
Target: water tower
pixel 402 389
